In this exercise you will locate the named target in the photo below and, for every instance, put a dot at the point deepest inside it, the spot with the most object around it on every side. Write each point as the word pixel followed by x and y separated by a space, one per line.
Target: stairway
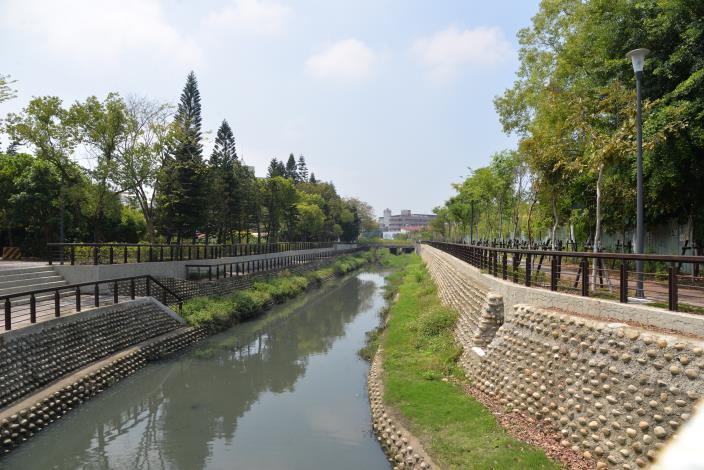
pixel 14 280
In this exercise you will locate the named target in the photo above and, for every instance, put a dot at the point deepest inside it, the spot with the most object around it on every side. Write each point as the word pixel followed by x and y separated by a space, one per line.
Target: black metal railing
pixel 28 306
pixel 241 268
pixel 125 253
pixel 661 282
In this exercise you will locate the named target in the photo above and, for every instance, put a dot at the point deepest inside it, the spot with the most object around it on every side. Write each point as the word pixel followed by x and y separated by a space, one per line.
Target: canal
pixel 285 391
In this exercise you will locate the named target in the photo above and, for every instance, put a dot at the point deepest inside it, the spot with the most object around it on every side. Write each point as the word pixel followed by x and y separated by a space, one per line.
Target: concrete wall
pixel 613 392
pixel 175 269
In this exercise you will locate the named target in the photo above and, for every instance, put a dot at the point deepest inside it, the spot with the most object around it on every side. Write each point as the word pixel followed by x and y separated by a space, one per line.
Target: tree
pixel 141 155
pixel 45 125
pixel 102 128
pixel 183 176
pixel 302 169
pixel 312 178
pixel 292 169
pixel 276 168
pixel 6 92
pixel 224 182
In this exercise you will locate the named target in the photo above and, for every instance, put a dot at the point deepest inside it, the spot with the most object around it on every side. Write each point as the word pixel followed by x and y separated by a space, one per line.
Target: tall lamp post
pixel 637 57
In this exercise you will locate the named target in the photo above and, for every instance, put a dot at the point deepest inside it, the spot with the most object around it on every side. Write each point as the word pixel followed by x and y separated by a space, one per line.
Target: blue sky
pixel 390 99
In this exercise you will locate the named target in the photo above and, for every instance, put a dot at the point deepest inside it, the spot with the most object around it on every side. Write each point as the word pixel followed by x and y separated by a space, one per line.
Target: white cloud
pixel 99 32
pixel 446 52
pixel 254 16
pixel 348 60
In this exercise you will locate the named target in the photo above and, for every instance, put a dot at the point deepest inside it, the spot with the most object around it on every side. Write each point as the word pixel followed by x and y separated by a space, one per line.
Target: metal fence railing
pixel 658 280
pixel 125 253
pixel 29 306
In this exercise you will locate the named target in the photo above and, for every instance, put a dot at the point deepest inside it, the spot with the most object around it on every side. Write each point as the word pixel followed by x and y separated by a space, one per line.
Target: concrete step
pixel 32 281
pixel 33 269
pixel 31 275
pixel 29 287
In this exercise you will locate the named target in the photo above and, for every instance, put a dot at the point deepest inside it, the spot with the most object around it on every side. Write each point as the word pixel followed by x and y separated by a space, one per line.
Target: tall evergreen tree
pixel 302 169
pixel 292 168
pixel 312 178
pixel 186 191
pixel 224 152
pixel 224 183
pixel 276 168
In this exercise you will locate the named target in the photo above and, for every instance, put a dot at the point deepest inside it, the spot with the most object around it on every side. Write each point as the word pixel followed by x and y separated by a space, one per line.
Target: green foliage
pixel 220 312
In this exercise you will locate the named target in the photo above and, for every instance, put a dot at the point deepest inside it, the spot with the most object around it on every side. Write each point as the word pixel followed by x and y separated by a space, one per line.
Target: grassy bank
pixel 223 311
pixel 419 352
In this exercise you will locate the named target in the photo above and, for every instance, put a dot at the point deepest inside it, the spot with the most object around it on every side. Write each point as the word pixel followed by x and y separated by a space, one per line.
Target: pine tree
pixel 224 183
pixel 302 169
pixel 276 168
pixel 292 169
pixel 187 191
pixel 224 152
pixel 312 178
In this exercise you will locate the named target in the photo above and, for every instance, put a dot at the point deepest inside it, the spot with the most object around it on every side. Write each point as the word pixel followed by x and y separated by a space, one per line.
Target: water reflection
pixel 284 391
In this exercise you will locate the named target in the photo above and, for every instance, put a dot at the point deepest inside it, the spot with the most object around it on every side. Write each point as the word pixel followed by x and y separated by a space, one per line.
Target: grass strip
pixel 219 312
pixel 420 355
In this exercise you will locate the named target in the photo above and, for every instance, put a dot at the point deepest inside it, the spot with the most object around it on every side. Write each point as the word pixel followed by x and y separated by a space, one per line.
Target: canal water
pixel 285 391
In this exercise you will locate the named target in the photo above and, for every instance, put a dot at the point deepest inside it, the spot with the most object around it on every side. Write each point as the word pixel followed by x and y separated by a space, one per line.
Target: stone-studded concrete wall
pixel 481 311
pixel 25 418
pixel 38 354
pixel 612 392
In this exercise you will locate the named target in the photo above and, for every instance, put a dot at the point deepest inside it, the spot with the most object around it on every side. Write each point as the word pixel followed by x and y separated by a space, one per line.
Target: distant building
pixel 404 221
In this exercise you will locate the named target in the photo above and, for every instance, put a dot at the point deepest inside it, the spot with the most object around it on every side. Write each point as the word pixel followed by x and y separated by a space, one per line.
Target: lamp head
pixel 637 57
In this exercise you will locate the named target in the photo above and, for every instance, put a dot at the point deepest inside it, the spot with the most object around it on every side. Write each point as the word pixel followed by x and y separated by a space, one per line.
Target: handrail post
pixel 672 287
pixel 95 255
pixel 32 309
pixel 57 304
pixel 112 255
pixel 132 288
pixel 124 254
pixel 148 287
pixel 73 255
pixel 96 295
pixel 585 277
pixel 529 269
pixel 8 314
pixel 139 253
pixel 504 266
pixel 623 284
pixel 78 299
pixel 115 292
pixel 553 273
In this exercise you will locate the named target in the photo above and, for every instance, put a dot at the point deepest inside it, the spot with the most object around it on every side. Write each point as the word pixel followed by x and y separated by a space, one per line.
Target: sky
pixel 392 100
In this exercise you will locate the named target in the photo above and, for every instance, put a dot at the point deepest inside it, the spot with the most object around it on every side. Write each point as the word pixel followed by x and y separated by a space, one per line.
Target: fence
pixel 615 276
pixel 28 306
pixel 241 268
pixel 124 253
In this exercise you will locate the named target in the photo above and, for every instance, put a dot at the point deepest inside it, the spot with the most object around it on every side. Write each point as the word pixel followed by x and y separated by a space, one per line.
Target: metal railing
pixel 604 275
pixel 125 253
pixel 55 301
pixel 242 268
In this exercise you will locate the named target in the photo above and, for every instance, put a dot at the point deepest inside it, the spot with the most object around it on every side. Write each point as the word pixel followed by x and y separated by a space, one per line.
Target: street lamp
pixel 637 57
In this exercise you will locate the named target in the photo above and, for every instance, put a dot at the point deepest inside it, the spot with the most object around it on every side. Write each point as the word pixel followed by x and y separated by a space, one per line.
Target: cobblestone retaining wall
pixel 481 311
pixel 402 448
pixel 21 421
pixel 39 354
pixel 615 393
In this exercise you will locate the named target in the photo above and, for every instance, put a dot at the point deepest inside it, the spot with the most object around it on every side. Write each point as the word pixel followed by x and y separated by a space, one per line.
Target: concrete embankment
pixel 612 382
pixel 52 367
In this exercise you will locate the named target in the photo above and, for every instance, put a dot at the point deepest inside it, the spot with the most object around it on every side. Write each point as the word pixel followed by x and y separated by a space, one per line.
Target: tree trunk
pixel 555 219
pixel 597 230
pixel 530 217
